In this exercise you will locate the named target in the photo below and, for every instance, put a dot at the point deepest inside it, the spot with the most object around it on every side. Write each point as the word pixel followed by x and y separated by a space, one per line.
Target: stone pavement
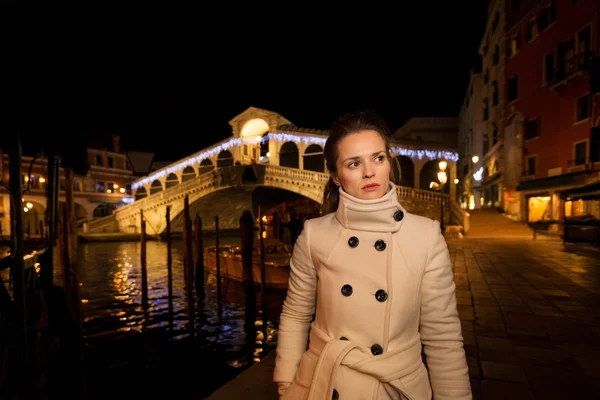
pixel 530 318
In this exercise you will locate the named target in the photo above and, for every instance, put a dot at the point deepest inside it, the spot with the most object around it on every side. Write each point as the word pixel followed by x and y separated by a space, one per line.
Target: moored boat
pixel 277 262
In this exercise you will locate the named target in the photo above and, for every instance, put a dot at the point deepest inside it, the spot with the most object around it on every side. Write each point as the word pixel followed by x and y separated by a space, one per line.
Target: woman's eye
pixel 379 158
pixel 353 164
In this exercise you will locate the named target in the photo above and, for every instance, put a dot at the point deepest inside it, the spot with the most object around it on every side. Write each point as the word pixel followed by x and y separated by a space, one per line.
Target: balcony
pixel 569 71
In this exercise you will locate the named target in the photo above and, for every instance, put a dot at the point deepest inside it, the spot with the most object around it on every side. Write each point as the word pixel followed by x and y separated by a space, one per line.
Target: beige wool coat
pixel 379 283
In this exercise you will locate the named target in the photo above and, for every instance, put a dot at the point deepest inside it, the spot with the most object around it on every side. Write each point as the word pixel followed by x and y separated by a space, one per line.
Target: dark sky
pixel 170 84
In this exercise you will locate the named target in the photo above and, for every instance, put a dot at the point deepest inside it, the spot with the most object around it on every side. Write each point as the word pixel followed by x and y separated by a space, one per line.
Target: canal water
pixel 132 350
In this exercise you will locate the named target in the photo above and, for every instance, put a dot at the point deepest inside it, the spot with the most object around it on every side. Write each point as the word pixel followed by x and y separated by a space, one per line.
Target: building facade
pixel 495 190
pixel 105 186
pixel 470 143
pixel 550 106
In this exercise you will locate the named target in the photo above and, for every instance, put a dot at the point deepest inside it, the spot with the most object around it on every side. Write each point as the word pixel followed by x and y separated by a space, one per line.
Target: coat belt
pixel 333 352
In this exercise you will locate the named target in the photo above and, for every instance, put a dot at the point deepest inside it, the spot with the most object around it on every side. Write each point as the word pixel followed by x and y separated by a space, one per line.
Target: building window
pixel 513 88
pixel 546 17
pixel 496 22
pixel 495 93
pixel 100 186
pixel 549 67
pixel 485 110
pixel 128 188
pixel 531 30
pixel 514 44
pixel 580 151
pixel 245 149
pixel 532 128
pixel 531 161
pixel 582 110
pixel 584 38
pixel 99 160
pixel 111 162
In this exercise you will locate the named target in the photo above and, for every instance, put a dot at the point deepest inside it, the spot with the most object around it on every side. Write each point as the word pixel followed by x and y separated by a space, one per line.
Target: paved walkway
pixel 530 317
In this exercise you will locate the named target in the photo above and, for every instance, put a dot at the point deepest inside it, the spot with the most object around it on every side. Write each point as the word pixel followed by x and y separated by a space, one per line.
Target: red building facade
pixel 550 104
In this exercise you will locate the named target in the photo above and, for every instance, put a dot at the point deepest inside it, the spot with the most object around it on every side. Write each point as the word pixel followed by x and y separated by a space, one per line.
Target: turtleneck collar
pixel 380 215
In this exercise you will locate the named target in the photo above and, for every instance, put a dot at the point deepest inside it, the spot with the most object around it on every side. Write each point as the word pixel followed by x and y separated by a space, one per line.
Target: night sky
pixel 182 80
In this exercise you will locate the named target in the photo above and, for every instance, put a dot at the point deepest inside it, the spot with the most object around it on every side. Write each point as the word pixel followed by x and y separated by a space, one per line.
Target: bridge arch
pixel 225 159
pixel 314 159
pixel 206 165
pixel 171 180
pixel 156 186
pixel 289 155
pixel 188 173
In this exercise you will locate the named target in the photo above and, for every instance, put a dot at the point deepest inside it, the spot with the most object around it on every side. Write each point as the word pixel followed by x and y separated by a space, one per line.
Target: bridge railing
pixel 182 188
pixel 420 194
pixel 294 173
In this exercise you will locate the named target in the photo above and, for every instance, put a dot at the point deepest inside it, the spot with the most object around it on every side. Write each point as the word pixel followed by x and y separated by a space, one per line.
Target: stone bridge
pixel 269 160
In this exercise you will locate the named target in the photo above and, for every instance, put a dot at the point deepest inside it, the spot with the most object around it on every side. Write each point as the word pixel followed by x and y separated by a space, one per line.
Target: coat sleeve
pixel 441 331
pixel 297 312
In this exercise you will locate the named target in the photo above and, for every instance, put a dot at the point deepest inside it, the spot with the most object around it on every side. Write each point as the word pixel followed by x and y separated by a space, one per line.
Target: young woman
pixel 378 282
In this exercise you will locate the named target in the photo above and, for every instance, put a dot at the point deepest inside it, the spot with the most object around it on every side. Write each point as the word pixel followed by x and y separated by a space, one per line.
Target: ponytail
pixel 331 197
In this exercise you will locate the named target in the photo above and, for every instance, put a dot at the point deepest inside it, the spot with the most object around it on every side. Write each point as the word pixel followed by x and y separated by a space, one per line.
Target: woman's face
pixel 363 166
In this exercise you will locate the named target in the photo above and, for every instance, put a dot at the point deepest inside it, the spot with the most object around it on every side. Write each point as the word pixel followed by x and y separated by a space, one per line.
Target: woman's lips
pixel 371 187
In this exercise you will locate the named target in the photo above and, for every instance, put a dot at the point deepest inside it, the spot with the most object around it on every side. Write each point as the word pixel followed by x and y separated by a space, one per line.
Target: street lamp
pixel 443 178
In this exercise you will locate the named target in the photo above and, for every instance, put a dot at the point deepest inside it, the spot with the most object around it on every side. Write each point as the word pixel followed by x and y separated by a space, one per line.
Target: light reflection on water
pixel 110 276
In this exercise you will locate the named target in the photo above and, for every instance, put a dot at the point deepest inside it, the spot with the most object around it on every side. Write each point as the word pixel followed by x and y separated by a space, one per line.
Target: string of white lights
pixel 197 158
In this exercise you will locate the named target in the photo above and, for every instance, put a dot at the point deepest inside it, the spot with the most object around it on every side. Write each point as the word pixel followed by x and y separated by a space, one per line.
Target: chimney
pixel 116 139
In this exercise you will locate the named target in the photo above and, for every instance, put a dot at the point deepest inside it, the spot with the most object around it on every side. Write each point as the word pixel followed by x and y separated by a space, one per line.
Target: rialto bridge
pixel 268 159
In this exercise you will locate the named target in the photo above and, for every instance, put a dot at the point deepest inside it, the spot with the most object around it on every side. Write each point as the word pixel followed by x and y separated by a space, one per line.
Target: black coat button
pixel 343 338
pixel 380 245
pixel 398 215
pixel 376 349
pixel 353 241
pixel 381 295
pixel 346 290
pixel 336 395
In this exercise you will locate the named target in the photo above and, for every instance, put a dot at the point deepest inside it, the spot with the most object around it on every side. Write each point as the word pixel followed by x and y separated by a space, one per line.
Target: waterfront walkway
pixel 530 318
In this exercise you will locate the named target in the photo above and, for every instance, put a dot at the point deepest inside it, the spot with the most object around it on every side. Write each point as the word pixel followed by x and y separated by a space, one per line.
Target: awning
pixel 553 182
pixel 591 191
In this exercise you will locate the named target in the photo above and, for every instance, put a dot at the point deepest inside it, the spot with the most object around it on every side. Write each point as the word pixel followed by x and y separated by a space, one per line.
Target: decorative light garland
pixel 197 158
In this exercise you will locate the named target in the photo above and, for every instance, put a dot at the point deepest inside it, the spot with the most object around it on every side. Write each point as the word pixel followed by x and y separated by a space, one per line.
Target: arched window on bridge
pixel 288 155
pixel 224 159
pixel 429 174
pixel 156 187
pixel 188 173
pixel 313 158
pixel 205 166
pixel 140 193
pixel 172 180
pixel 407 171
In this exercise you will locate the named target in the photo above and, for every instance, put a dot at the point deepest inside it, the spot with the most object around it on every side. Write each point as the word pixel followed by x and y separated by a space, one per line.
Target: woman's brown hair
pixel 345 125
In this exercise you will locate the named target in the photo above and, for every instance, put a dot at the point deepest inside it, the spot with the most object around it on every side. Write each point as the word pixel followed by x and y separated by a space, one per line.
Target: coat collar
pixel 381 215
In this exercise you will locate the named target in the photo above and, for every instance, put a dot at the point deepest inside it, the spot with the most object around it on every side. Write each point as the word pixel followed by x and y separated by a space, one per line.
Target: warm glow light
pixel 122 190
pixel 456 181
pixel 442 177
pixel 478 175
pixel 264 218
pixel 443 165
pixel 108 191
pixel 42 179
pixel 475 159
pixel 264 234
pixel 115 186
pixel 25 209
pixel 433 185
pixel 268 154
pixel 29 205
